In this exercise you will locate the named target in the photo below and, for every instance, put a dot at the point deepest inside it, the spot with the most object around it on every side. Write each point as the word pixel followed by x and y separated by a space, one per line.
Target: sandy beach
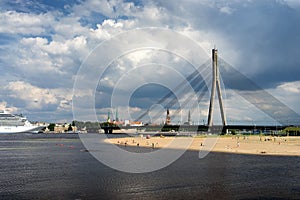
pixel 56 166
pixel 264 145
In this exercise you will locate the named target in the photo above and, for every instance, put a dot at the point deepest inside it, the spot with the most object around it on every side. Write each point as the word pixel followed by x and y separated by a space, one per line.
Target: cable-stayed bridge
pixel 217 71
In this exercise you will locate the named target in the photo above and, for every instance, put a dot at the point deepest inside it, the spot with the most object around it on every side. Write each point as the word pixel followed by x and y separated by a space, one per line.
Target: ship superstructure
pixel 10 123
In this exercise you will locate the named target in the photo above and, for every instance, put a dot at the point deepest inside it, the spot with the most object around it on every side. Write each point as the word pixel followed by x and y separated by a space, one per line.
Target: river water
pixel 39 166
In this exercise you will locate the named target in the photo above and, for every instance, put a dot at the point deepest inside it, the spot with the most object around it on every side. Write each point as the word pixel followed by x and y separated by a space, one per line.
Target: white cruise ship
pixel 10 123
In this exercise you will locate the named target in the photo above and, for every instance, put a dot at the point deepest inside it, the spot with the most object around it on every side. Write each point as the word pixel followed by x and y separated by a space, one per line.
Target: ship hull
pixel 20 129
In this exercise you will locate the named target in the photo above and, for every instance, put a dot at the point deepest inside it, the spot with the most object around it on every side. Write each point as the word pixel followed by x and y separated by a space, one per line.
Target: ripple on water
pixel 52 167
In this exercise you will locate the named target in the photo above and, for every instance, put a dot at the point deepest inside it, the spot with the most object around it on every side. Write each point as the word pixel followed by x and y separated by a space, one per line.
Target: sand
pixel 287 146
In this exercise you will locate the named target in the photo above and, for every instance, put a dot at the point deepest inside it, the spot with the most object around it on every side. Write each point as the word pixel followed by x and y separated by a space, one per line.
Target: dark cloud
pixel 261 35
pixel 264 35
pixel 150 94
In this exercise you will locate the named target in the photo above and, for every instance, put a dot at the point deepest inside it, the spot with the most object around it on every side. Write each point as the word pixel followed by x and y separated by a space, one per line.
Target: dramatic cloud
pixel 13 22
pixel 37 98
pixel 43 45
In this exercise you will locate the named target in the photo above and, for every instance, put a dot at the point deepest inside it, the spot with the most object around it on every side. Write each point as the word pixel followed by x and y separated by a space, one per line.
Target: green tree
pixel 51 127
pixel 70 127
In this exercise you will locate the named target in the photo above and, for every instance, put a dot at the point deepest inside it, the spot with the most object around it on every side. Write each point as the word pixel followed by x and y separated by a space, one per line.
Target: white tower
pixel 215 83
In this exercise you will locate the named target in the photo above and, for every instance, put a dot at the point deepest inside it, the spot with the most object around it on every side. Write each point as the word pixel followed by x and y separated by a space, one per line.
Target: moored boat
pixel 10 123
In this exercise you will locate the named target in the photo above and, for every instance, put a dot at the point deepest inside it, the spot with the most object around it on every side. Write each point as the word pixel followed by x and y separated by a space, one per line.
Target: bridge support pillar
pixel 108 130
pixel 215 86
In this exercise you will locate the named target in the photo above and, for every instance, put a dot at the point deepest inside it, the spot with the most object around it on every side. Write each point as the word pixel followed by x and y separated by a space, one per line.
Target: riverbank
pixel 56 166
pixel 286 146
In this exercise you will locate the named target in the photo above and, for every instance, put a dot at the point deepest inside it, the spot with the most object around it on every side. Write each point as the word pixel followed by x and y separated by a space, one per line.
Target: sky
pixel 44 44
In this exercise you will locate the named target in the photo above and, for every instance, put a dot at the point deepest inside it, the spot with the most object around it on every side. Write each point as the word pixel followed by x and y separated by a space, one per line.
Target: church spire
pixel 189 118
pixel 108 117
pixel 117 115
pixel 168 118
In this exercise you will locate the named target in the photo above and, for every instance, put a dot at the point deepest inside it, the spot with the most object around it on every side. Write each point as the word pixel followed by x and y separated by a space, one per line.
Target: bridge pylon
pixel 215 86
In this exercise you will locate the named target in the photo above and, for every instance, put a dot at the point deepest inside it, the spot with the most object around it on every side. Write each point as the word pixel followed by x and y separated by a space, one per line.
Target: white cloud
pixel 76 44
pixel 46 63
pixel 102 6
pixel 111 9
pixel 36 98
pixel 240 111
pixel 55 44
pixel 226 10
pixel 68 27
pixel 24 23
pixel 107 29
pixel 288 93
pixel 291 87
pixel 41 46
pixel 9 108
pixel 137 57
pixel 292 3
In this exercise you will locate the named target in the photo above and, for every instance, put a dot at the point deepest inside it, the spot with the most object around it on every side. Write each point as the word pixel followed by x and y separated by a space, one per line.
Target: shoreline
pixel 255 145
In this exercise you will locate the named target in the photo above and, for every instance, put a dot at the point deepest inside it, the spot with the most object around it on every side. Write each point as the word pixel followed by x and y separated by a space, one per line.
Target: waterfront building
pixel 168 118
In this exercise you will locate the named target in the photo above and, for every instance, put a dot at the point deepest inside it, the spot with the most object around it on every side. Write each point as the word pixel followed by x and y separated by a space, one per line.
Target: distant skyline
pixel 44 43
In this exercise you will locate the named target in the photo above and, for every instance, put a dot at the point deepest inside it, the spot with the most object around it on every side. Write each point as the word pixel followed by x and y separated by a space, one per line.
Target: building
pixel 168 118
